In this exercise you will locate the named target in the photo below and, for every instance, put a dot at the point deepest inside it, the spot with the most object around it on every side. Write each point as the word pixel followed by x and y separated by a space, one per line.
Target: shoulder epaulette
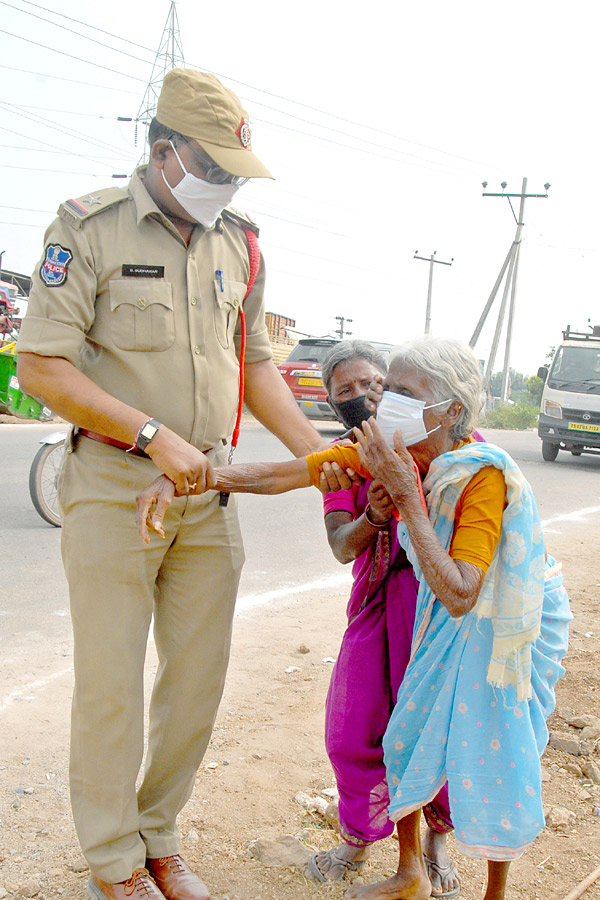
pixel 75 212
pixel 233 215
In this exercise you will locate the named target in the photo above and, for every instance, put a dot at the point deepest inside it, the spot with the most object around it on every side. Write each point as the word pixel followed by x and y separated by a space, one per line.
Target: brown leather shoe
pixel 176 880
pixel 139 887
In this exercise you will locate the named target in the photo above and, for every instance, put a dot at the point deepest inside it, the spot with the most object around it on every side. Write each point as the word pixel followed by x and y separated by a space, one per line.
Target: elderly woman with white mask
pixel 473 703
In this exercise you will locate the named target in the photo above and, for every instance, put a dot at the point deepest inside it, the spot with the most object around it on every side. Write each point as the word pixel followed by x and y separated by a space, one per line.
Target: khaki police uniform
pixel 152 322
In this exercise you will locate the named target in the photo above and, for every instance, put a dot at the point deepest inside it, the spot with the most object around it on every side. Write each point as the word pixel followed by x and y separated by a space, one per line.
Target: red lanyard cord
pixel 254 251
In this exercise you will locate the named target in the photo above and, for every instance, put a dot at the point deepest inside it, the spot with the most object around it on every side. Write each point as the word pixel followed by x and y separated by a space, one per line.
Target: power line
pixel 254 88
pixel 67 112
pixel 44 150
pixel 69 55
pixel 104 87
pixel 37 119
pixel 57 149
pixel 26 209
pixel 55 171
pixel 71 31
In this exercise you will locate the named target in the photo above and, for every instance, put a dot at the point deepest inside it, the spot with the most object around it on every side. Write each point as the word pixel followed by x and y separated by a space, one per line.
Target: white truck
pixel 570 408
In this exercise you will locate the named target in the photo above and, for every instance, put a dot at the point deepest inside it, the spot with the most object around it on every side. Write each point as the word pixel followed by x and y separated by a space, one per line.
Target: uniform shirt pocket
pixel 229 297
pixel 141 314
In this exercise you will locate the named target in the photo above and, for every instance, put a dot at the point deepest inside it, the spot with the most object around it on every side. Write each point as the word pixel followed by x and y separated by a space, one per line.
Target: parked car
pixel 301 372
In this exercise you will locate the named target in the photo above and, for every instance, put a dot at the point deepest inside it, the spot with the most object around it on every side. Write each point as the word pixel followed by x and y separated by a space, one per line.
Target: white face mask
pixel 202 200
pixel 405 413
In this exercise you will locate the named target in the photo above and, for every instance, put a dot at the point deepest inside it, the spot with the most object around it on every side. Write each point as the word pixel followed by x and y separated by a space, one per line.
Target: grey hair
pixel 344 351
pixel 452 372
pixel 159 132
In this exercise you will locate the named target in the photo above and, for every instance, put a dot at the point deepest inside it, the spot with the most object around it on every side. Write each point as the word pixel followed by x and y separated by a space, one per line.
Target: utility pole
pixel 511 263
pixel 431 260
pixel 340 329
pixel 169 56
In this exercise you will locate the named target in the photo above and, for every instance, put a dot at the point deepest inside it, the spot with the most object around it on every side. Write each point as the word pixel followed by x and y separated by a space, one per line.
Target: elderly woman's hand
pixel 374 394
pixel 394 469
pixel 153 502
pixel 380 503
pixel 151 506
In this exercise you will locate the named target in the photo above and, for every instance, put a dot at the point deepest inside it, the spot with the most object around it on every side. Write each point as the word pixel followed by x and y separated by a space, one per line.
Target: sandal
pixel 345 865
pixel 442 872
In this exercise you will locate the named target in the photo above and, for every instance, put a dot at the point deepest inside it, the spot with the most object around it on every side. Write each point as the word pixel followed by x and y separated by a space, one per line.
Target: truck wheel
pixel 549 451
pixel 43 476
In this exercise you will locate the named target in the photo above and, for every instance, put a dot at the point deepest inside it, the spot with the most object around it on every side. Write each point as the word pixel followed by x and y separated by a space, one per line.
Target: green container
pixel 12 398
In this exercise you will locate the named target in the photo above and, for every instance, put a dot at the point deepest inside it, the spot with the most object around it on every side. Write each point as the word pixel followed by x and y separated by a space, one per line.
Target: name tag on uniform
pixel 142 271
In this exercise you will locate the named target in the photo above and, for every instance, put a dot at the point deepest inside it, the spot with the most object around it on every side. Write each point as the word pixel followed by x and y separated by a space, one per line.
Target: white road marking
pixel 23 693
pixel 578 515
pixel 319 584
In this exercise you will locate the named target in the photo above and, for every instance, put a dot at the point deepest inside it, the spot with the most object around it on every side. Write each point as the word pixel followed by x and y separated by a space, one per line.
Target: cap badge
pixel 244 133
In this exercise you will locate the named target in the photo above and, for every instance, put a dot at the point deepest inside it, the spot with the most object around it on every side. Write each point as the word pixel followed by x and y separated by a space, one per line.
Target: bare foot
pixel 333 864
pixel 404 885
pixel 440 868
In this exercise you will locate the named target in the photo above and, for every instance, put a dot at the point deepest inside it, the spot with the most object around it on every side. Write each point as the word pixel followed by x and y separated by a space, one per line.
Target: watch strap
pixel 146 434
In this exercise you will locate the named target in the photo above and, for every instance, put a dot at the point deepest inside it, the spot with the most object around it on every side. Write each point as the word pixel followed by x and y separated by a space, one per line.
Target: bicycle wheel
pixel 43 477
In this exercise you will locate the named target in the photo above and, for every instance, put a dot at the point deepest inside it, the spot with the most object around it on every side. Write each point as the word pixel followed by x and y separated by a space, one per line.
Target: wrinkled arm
pixel 349 537
pixel 251 478
pixel 455 583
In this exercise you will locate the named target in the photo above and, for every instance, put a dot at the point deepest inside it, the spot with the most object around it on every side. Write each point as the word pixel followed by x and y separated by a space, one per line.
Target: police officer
pixel 132 335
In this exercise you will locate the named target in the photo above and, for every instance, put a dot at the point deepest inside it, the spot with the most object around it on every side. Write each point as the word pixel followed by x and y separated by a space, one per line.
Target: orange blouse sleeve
pixel 346 456
pixel 478 519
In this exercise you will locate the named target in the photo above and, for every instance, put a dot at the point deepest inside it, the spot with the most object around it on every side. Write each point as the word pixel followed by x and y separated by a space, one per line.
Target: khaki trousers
pixel 188 582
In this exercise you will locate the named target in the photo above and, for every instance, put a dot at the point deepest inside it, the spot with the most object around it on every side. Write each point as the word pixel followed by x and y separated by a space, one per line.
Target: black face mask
pixel 352 412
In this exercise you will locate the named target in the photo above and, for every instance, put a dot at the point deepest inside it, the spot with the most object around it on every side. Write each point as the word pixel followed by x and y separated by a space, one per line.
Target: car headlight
pixel 553 409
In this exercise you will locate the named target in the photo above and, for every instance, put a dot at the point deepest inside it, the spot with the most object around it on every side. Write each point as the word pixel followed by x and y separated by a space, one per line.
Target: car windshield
pixel 310 352
pixel 576 369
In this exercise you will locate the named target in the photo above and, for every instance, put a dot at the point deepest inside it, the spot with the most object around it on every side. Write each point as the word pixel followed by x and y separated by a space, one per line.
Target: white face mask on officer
pixel 398 412
pixel 202 200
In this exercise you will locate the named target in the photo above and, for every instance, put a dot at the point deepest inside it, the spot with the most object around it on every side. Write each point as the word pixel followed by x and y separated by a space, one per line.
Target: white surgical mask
pixel 396 411
pixel 202 200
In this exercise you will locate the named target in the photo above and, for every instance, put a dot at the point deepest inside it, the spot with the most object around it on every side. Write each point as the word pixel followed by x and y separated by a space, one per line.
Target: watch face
pixel 148 431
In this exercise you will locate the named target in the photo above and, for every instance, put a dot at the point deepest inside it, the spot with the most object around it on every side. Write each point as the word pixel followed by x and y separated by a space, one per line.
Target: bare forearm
pixel 262 478
pixel 74 397
pixel 349 538
pixel 271 402
pixel 455 583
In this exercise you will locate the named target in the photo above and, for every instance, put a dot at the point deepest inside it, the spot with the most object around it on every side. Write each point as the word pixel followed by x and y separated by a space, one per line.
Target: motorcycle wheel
pixel 43 477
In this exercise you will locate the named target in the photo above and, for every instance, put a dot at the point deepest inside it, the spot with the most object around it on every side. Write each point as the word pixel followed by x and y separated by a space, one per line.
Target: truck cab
pixel 570 407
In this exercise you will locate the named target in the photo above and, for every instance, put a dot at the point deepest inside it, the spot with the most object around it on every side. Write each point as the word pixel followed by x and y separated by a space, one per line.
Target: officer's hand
pixel 374 394
pixel 151 506
pixel 185 465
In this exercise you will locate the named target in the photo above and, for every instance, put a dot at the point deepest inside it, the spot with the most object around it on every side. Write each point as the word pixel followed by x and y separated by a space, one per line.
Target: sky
pixel 380 122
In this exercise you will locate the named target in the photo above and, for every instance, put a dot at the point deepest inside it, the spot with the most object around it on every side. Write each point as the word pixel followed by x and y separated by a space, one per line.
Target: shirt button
pixel 141 302
pixel 193 301
pixel 197 351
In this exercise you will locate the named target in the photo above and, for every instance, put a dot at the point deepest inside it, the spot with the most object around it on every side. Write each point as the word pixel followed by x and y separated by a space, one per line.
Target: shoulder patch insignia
pixel 76 212
pixel 54 269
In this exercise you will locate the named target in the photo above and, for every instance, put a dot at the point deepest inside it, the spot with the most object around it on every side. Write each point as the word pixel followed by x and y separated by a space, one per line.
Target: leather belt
pixel 103 439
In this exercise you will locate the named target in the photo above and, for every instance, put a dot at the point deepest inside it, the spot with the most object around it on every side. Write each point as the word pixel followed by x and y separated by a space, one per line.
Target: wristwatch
pixel 146 433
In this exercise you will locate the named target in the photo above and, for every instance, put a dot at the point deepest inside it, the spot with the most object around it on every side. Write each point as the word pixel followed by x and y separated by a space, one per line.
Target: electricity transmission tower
pixel 511 263
pixel 169 56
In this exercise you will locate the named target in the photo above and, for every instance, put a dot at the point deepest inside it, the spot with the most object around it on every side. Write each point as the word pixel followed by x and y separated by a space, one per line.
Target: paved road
pixel 284 536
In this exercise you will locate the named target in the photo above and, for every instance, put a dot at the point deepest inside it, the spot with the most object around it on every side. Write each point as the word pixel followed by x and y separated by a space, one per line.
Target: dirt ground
pixel 268 746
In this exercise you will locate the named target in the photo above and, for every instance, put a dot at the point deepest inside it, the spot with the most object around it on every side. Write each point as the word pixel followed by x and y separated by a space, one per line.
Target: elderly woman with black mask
pixel 376 645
